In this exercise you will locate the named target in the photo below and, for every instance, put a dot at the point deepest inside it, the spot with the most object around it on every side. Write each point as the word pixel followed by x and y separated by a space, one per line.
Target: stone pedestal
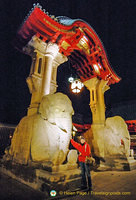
pixel 44 177
pixel 115 163
pixel 66 178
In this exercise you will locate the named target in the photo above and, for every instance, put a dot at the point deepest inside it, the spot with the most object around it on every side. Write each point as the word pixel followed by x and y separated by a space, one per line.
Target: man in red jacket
pixel 84 151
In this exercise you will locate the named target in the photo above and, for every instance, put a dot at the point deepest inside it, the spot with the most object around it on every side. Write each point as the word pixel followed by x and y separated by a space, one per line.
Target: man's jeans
pixel 85 173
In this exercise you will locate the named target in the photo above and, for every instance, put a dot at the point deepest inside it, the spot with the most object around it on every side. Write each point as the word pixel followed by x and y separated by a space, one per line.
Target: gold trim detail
pixel 65 45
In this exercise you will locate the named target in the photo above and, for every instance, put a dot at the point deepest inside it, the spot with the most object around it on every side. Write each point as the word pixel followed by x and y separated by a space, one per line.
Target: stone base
pixel 117 164
pixel 66 181
pixel 67 178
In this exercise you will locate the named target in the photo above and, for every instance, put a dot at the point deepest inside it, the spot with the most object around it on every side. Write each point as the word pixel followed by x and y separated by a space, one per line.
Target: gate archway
pixel 50 41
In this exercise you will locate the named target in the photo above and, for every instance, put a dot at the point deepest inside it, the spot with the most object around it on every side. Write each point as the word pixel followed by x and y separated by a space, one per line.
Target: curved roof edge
pixel 76 39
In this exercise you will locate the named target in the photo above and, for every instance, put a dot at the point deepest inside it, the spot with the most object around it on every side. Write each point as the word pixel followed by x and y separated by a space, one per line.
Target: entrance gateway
pixel 39 155
pixel 50 41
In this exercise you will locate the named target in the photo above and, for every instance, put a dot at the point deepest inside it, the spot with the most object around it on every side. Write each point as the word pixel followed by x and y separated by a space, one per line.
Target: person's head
pixel 82 140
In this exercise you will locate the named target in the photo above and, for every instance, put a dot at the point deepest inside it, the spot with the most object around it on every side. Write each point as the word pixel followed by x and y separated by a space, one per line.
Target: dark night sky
pixel 113 21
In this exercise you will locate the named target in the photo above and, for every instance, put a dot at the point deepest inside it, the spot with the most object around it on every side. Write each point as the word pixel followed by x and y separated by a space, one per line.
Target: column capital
pixel 52 50
pixel 91 83
pixel 95 83
pixel 103 86
pixel 59 59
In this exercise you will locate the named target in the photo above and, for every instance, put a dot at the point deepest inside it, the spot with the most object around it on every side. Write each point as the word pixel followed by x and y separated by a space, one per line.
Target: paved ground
pixel 111 185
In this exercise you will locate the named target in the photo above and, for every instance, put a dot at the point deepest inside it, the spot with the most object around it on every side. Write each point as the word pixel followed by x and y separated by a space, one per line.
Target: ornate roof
pixel 76 39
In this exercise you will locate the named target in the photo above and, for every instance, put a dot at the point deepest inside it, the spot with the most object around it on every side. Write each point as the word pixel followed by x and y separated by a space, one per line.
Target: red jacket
pixel 83 149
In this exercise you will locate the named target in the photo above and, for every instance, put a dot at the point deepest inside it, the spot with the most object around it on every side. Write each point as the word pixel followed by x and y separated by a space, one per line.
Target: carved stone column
pixel 43 73
pixel 102 88
pixel 34 80
pixel 51 52
pixel 58 60
pixel 97 88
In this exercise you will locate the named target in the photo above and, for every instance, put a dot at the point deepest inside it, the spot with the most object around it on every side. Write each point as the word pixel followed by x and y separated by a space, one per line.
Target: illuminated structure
pixel 74 38
pixel 50 41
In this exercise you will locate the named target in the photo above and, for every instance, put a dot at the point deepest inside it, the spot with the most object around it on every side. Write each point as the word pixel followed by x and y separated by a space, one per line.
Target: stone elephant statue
pixel 44 136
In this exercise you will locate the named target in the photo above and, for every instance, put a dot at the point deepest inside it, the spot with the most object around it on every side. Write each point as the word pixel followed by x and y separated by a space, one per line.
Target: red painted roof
pixel 78 41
